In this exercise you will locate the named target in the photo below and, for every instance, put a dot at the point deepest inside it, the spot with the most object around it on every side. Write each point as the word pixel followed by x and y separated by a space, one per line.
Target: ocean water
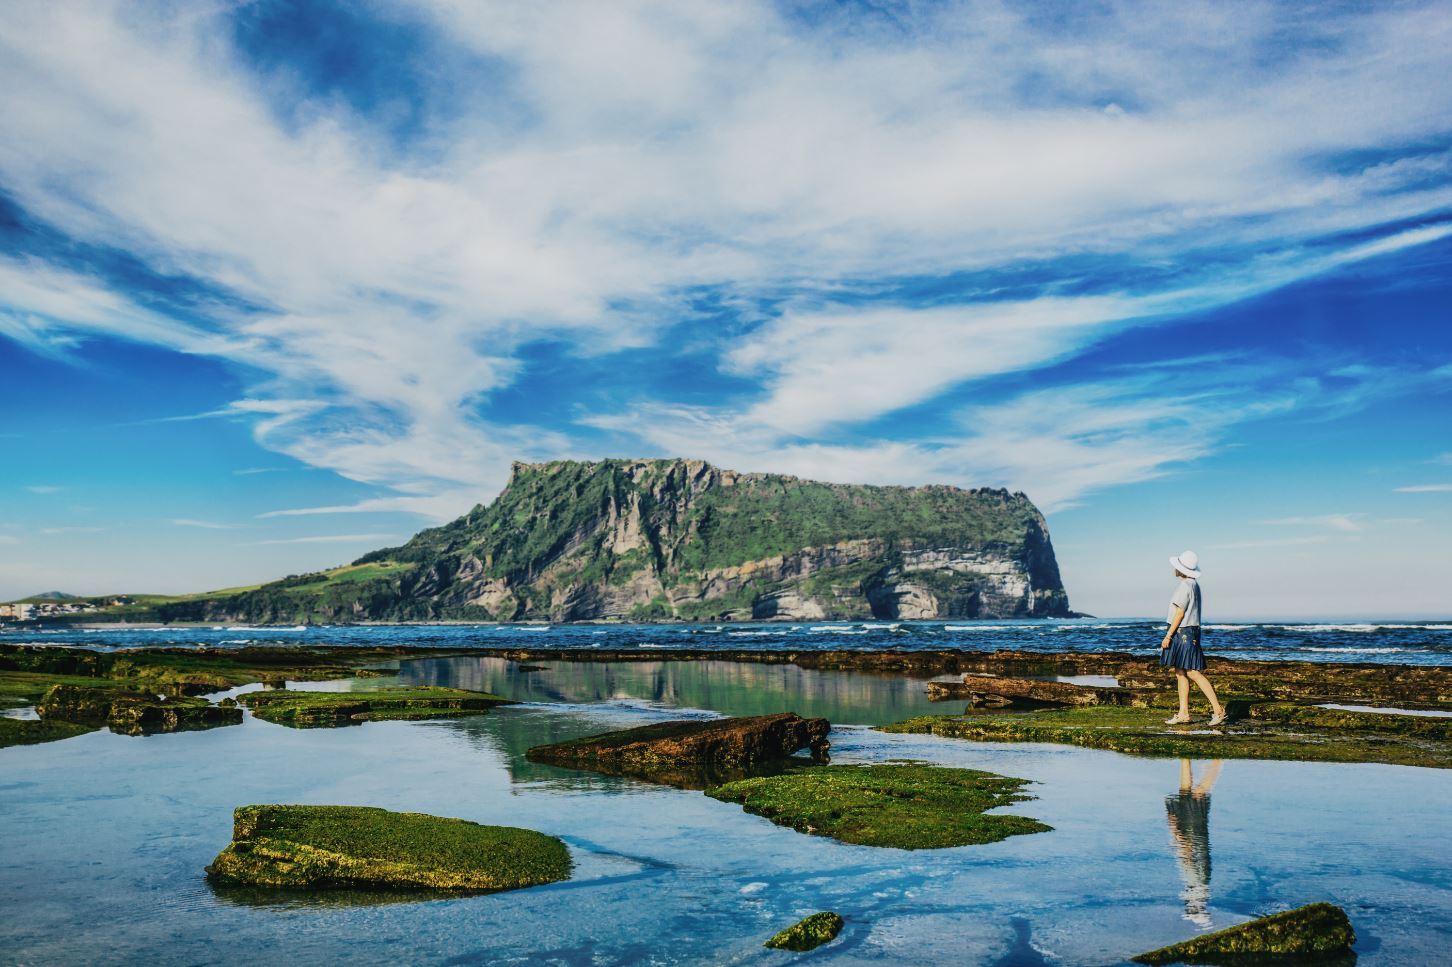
pixel 1409 642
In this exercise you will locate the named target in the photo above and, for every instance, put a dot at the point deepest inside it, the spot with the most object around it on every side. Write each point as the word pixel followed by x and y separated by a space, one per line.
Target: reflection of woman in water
pixel 1189 816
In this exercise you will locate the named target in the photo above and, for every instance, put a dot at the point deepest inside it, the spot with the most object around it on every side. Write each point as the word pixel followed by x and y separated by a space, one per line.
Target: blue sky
pixel 281 282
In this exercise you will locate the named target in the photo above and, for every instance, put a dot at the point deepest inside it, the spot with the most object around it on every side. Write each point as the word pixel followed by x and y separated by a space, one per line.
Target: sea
pixel 1394 642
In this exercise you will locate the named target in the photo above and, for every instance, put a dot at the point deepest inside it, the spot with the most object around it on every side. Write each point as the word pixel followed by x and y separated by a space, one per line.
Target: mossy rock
pixel 362 847
pixel 1141 731
pixel 1317 932
pixel 902 806
pixel 33 731
pixel 131 712
pixel 304 709
pixel 809 934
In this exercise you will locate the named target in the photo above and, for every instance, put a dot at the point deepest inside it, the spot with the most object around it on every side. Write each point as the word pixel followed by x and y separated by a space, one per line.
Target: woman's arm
pixel 1174 627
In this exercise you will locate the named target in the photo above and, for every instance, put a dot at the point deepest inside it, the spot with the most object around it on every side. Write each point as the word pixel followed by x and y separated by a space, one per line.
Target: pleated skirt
pixel 1184 653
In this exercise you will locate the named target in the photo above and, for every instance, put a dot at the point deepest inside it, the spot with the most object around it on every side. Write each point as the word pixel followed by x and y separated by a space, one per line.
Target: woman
pixel 1181 648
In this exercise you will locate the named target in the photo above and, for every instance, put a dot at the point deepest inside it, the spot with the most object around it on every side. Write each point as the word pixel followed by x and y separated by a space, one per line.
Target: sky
pixel 282 282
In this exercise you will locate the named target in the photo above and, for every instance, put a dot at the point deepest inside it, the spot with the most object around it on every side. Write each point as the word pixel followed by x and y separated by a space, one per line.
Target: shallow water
pixel 104 838
pixel 1426 642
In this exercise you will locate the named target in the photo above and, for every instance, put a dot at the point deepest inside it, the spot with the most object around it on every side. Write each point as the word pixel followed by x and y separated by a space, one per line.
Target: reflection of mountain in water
pixel 731 688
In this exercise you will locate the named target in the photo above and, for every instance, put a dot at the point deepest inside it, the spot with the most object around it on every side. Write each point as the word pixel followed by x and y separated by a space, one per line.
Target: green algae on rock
pixel 1141 731
pixel 302 847
pixel 902 806
pixel 809 934
pixel 131 712
pixel 305 709
pixel 33 731
pixel 1318 931
pixel 693 753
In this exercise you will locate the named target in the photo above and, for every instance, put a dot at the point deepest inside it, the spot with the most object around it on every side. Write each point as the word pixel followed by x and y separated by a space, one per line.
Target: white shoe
pixel 1217 720
pixel 1178 720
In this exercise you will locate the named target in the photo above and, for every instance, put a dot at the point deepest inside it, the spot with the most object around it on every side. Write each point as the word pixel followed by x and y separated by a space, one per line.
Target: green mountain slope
pixel 681 539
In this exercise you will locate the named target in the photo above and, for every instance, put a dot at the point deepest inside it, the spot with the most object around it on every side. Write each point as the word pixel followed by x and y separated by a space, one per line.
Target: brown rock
pixel 991 690
pixel 691 752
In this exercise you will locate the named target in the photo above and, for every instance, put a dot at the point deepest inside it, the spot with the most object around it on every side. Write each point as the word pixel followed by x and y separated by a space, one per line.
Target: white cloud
pixel 204 524
pixel 635 150
pixel 1436 488
pixel 1349 523
pixel 44 489
pixel 1269 542
pixel 330 539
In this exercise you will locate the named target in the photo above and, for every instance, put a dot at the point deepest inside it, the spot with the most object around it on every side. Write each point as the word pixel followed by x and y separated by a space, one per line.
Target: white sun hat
pixel 1188 564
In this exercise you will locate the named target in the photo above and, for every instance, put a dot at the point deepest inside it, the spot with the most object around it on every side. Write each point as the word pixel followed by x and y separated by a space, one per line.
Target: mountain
pixel 684 540
pixel 52 596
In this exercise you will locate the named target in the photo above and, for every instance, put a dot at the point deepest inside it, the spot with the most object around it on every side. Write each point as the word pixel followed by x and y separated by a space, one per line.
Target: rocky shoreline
pixel 1279 709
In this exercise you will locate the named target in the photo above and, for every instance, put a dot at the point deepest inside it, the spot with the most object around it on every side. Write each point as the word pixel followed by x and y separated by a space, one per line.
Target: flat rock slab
pixel 689 752
pixel 903 806
pixel 1001 691
pixel 809 934
pixel 1142 731
pixel 325 847
pixel 305 709
pixel 1318 932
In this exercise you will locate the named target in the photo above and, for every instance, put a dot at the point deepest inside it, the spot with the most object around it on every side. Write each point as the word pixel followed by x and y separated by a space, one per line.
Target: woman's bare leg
pixel 1183 683
pixel 1187 778
pixel 1205 686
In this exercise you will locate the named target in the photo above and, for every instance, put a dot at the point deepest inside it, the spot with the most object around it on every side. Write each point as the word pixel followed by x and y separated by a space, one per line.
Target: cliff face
pixel 681 539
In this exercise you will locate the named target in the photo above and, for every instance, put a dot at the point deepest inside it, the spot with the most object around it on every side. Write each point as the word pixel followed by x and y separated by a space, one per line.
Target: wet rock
pixel 1142 731
pixel 1426 726
pixel 33 731
pixel 1001 692
pixel 131 712
pixel 1318 932
pixel 306 709
pixel 309 847
pixel 688 753
pixel 902 806
pixel 809 934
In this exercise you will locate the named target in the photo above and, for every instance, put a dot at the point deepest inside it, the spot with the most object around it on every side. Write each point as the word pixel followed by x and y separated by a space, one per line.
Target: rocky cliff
pixel 684 540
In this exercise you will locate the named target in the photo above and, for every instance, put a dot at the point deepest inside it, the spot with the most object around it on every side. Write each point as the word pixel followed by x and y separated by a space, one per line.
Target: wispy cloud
pixel 1269 542
pixel 433 505
pixel 1435 488
pixel 72 530
pixel 44 489
pixel 9 539
pixel 204 524
pixel 1349 523
pixel 329 539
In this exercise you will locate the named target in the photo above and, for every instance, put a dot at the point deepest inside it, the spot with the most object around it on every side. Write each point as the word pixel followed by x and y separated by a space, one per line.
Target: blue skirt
pixel 1184 653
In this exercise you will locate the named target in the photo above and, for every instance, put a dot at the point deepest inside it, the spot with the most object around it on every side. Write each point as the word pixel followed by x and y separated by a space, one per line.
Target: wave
pixel 531 627
pixel 1353 650
pixel 1363 628
pixel 980 628
pixel 755 634
pixel 252 628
